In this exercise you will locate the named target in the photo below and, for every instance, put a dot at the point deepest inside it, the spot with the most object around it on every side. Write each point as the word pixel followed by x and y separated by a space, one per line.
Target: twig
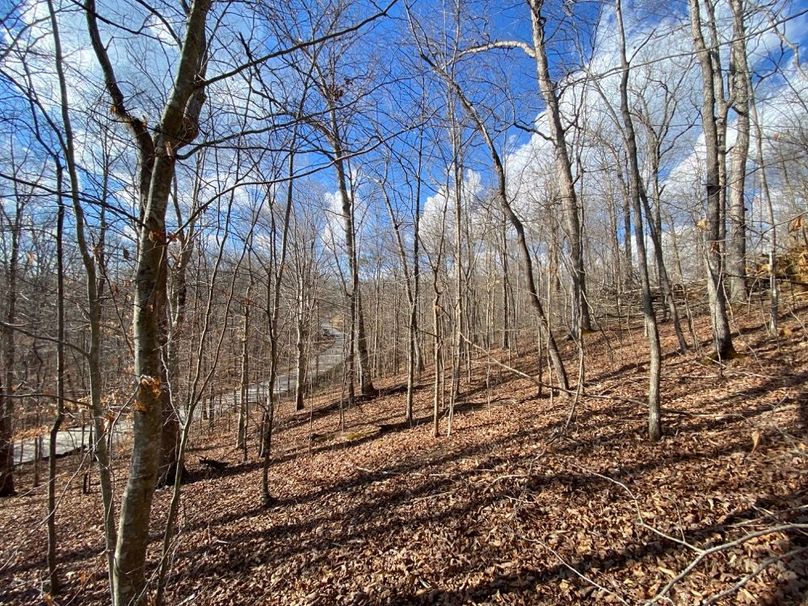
pixel 703 553
pixel 746 578
pixel 575 571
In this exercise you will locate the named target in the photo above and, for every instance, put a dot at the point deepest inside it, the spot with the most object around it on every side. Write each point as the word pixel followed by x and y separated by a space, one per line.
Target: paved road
pixel 71 440
pixel 287 382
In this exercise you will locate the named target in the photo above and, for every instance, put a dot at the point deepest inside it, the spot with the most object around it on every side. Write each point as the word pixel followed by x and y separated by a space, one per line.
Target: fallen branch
pixel 702 553
pixel 515 371
pixel 575 571
pixel 748 577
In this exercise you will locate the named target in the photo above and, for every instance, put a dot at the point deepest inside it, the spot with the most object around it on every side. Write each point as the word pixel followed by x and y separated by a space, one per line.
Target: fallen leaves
pixel 399 517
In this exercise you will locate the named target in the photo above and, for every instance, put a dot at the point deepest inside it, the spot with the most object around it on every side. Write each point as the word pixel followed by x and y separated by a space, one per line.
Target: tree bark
pixel 170 434
pixel 94 289
pixel 457 324
pixel 366 387
pixel 722 336
pixel 9 360
pixel 655 225
pixel 244 386
pixel 636 188
pixel 53 578
pixel 506 311
pixel 275 273
pixel 357 337
pixel 566 185
pixel 300 345
pixel 411 280
pixel 774 295
pixel 739 83
pixel 178 126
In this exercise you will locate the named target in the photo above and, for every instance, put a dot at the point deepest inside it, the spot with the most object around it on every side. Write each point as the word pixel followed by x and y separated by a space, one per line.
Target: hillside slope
pixel 507 510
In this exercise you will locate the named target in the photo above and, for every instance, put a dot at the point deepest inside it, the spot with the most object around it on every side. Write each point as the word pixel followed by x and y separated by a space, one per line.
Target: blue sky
pixel 503 81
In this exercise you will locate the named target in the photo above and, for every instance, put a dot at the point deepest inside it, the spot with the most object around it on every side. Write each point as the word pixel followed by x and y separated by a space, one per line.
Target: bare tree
pixel 200 379
pixel 93 267
pixel 157 157
pixel 307 262
pixel 569 199
pixel 739 94
pixel 527 261
pixel 550 93
pixel 410 268
pixel 244 380
pixel 7 381
pixel 636 189
pixel 334 123
pixel 722 337
pixel 53 578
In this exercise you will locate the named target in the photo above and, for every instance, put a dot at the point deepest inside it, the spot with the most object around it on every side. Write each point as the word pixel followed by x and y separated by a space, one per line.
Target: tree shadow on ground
pixel 374 519
pixel 375 504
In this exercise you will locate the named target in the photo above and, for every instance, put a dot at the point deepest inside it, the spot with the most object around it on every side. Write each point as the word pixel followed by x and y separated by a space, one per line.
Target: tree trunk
pixel 9 361
pixel 636 187
pixel 366 387
pixel 774 295
pixel 437 395
pixel 615 275
pixel 411 283
pixel 94 289
pixel 739 82
pixel 277 267
pixel 169 438
pixel 506 312
pixel 244 385
pixel 300 345
pixel 566 185
pixel 53 579
pixel 357 333
pixel 722 336
pixel 457 324
pixel 655 225
pixel 170 434
pixel 178 126
pixel 527 261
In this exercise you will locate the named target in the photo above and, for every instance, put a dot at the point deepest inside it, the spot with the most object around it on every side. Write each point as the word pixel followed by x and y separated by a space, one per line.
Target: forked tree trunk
pixel 722 336
pixel 177 127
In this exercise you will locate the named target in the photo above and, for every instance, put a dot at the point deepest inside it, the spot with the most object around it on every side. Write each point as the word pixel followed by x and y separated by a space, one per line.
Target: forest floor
pixel 507 510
